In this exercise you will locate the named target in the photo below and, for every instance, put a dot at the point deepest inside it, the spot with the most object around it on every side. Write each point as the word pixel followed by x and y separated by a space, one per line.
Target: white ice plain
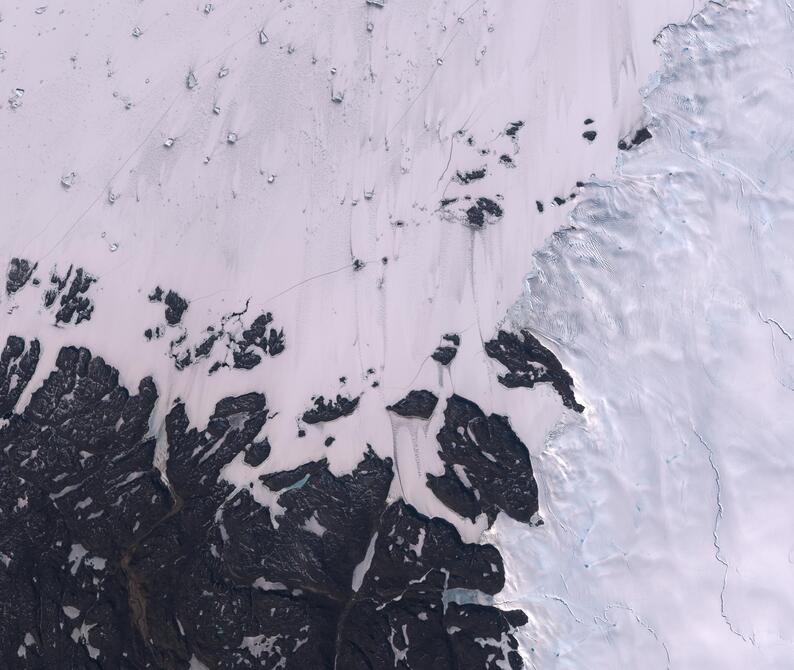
pixel 666 540
pixel 669 541
pixel 280 215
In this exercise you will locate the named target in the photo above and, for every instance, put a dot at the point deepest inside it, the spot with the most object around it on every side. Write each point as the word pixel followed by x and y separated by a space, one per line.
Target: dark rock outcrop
pixel 259 335
pixel 489 462
pixel 74 303
pixel 456 495
pixel 483 211
pixel 330 410
pixel 175 304
pixel 529 363
pixel 513 127
pixel 640 136
pixel 175 307
pixel 20 270
pixel 470 176
pixel 257 453
pixel 474 630
pixel 445 353
pixel 401 608
pixel 231 343
pixel 107 563
pixel 16 369
pixel 76 488
pixel 419 404
pixel 453 338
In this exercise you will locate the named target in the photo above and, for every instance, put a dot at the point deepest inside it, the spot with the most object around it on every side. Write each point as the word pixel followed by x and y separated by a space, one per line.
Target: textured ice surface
pixel 377 178
pixel 668 541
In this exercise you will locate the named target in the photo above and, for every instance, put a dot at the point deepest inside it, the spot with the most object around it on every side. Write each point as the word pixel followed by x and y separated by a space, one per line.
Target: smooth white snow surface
pixel 669 541
pixel 280 215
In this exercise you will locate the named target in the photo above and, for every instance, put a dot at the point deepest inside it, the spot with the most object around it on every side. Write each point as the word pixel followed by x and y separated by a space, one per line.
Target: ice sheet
pixel 669 297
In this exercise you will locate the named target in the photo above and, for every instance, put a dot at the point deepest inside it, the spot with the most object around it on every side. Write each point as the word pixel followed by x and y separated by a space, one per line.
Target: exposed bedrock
pixel 417 404
pixel 630 141
pixel 445 353
pixel 19 273
pixel 528 363
pixel 105 562
pixel 486 466
pixel 330 410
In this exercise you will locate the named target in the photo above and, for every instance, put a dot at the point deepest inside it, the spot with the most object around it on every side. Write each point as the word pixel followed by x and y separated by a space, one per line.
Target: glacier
pixel 669 297
pixel 265 400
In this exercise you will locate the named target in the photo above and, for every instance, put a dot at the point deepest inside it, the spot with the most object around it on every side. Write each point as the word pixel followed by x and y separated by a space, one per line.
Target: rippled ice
pixel 669 539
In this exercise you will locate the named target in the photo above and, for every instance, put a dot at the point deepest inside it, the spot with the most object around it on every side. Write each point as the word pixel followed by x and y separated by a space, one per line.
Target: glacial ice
pixel 668 542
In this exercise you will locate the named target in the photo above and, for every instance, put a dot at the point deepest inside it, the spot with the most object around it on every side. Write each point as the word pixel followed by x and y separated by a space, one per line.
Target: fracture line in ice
pixel 718 553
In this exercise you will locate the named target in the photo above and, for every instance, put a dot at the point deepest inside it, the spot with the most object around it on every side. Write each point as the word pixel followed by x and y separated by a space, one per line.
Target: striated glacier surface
pixel 668 542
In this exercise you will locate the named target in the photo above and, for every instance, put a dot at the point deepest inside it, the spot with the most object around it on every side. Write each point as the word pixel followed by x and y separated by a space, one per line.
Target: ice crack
pixel 770 320
pixel 642 623
pixel 718 554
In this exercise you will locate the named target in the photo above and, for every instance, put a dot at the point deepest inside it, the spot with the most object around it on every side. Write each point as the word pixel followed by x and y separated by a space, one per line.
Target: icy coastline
pixel 669 298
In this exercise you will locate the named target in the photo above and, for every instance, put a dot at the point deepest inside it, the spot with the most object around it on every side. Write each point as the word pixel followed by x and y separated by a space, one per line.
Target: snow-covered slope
pixel 668 542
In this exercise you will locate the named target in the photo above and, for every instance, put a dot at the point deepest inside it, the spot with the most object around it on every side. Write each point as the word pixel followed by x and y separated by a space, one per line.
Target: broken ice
pixel 15 99
pixel 68 180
